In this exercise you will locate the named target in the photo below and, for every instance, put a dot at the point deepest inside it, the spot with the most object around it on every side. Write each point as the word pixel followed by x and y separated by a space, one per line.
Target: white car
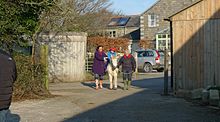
pixel 149 60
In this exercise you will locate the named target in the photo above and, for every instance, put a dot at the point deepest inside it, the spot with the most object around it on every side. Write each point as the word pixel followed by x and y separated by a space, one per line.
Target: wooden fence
pixel 66 55
pixel 89 62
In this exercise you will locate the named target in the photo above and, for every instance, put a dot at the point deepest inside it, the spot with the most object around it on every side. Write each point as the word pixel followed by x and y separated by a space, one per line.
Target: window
pixel 161 44
pixel 159 36
pixel 153 20
pixel 145 54
pixel 140 54
pixel 162 41
pixel 164 36
pixel 150 54
pixel 112 34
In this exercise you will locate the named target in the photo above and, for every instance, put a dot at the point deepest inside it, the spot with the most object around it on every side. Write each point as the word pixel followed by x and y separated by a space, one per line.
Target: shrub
pixel 107 43
pixel 31 79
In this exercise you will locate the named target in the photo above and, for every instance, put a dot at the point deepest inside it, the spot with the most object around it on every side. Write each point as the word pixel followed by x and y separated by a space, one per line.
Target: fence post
pixel 44 62
pixel 166 77
pixel 87 62
pixel 136 60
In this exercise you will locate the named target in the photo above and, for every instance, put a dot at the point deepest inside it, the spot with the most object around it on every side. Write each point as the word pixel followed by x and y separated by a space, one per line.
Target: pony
pixel 113 74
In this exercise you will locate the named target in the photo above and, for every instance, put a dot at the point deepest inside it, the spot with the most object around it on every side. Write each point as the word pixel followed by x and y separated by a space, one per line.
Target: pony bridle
pixel 114 62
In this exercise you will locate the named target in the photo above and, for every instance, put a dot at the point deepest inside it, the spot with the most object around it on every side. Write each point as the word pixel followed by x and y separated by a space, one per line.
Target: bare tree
pixel 77 15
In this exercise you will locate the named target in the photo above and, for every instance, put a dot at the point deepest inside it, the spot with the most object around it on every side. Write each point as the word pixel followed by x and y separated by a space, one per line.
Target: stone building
pixel 120 26
pixel 152 20
pixel 125 27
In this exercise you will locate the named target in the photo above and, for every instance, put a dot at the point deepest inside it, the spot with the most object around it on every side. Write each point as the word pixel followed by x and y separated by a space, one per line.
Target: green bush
pixel 31 79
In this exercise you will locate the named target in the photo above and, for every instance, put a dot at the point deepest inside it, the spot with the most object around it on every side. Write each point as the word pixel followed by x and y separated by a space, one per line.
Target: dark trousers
pixel 127 75
pixel 98 77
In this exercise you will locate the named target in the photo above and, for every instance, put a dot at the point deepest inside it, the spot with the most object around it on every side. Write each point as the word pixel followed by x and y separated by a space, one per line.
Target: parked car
pixel 162 53
pixel 149 60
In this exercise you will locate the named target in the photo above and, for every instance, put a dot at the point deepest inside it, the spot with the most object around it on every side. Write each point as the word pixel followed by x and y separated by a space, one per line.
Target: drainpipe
pixel 171 50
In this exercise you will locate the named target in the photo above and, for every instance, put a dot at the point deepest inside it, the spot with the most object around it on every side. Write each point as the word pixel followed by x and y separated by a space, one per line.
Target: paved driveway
pixel 79 102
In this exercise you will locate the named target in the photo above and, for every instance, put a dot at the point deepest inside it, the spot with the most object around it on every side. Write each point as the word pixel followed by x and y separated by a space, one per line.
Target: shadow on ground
pixel 147 106
pixel 92 85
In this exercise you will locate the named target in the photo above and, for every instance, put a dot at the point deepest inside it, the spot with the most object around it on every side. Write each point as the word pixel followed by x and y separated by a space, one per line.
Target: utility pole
pixel 166 77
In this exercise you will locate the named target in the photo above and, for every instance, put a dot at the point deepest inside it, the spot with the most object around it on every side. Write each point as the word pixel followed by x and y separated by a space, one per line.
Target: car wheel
pixel 148 68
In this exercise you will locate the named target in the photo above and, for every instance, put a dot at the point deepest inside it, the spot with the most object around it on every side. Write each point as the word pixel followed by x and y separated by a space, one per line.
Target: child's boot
pixel 125 85
pixel 129 84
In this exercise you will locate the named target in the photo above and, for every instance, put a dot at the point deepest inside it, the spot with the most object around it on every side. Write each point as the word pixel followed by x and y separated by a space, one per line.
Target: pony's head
pixel 114 61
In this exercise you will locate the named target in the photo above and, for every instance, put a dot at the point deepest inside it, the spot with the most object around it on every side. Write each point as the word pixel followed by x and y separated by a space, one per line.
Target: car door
pixel 140 59
pixel 149 57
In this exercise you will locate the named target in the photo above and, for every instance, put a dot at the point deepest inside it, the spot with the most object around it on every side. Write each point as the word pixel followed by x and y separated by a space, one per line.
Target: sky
pixel 131 7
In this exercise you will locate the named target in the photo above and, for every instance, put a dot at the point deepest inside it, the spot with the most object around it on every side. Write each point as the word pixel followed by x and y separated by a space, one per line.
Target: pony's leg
pixel 115 79
pixel 110 76
pixel 110 80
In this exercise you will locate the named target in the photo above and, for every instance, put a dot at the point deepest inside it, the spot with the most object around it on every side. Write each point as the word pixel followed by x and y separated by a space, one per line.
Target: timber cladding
pixel 196 46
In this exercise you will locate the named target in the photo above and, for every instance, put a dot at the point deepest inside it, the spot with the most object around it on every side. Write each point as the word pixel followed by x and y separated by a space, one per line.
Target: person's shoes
pixel 115 88
pixel 96 85
pixel 101 84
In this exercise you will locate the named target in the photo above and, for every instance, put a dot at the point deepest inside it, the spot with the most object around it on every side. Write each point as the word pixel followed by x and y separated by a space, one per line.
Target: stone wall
pixel 164 9
pixel 121 31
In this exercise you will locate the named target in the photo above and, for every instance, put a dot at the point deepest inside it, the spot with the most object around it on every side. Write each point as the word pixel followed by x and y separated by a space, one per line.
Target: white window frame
pixel 166 39
pixel 112 34
pixel 153 20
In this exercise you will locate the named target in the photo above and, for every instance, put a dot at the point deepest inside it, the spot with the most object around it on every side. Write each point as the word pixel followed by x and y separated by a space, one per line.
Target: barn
pixel 196 46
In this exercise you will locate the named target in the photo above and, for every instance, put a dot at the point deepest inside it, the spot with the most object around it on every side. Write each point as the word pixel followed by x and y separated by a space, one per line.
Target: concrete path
pixel 79 102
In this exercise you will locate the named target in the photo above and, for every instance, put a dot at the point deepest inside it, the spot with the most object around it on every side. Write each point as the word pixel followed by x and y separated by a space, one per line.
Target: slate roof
pixel 151 6
pixel 134 21
pixel 164 31
pixel 135 35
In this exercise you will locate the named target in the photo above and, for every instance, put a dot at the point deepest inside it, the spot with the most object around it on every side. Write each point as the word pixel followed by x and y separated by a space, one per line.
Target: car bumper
pixel 158 66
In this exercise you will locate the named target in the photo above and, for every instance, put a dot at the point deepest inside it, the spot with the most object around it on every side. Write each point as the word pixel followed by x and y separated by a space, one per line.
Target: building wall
pixel 197 46
pixel 66 56
pixel 121 31
pixel 164 9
